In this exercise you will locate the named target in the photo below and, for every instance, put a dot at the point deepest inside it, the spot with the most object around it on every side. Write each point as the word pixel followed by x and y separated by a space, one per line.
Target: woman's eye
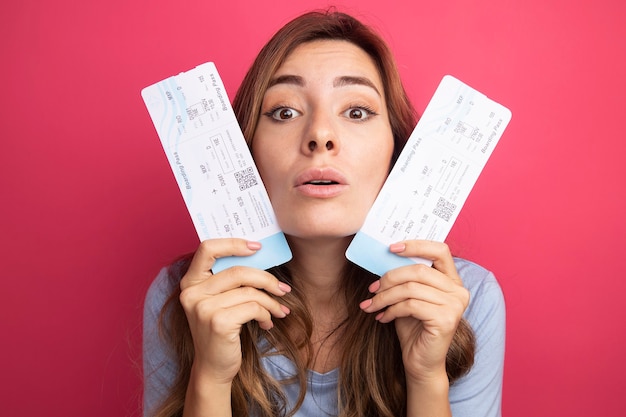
pixel 358 113
pixel 283 113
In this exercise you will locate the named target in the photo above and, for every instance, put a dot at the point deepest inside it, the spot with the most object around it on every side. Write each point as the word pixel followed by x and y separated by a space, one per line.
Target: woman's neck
pixel 317 269
pixel 318 265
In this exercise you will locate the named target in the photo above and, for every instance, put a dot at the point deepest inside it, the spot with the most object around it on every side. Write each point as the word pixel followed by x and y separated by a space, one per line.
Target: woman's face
pixel 323 143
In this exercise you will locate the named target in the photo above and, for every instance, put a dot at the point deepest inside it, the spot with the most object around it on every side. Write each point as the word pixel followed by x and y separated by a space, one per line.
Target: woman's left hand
pixel 426 303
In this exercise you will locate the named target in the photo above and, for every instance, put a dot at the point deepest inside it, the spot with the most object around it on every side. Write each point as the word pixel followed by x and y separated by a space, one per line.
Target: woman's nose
pixel 313 145
pixel 321 135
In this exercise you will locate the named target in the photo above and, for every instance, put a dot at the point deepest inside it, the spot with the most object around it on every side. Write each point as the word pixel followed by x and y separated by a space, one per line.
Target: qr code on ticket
pixel 444 209
pixel 245 178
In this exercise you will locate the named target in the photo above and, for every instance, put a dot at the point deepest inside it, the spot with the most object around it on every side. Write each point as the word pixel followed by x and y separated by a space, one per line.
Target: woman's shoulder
pixel 486 297
pixel 166 281
pixel 475 276
pixel 159 290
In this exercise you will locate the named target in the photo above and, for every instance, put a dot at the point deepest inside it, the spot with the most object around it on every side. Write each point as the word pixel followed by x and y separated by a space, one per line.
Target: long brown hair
pixel 372 381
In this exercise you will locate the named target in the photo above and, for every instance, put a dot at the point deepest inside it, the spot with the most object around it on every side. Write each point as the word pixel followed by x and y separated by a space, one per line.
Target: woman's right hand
pixel 217 305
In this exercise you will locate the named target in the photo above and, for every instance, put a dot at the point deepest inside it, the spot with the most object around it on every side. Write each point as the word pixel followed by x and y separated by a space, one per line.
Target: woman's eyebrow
pixel 287 79
pixel 353 80
pixel 337 82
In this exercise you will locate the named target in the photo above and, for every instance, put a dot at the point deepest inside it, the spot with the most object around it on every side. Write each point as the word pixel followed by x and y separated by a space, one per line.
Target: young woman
pixel 326 116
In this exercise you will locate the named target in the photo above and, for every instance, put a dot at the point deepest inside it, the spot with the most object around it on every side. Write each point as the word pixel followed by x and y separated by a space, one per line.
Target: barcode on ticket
pixel 246 178
pixel 444 209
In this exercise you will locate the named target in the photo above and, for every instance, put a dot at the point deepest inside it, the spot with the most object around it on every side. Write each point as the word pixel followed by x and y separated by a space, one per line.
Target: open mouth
pixel 321 182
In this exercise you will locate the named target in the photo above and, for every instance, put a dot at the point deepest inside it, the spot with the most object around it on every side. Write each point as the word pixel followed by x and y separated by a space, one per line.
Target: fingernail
pixel 253 245
pixel 374 286
pixel 285 309
pixel 283 287
pixel 380 315
pixel 365 304
pixel 397 247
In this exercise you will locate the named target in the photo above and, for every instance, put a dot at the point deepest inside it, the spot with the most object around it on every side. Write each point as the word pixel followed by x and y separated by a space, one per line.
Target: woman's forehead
pixel 333 58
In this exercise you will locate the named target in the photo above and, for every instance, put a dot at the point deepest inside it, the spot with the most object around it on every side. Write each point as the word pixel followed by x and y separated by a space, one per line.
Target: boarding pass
pixel 210 159
pixel 433 175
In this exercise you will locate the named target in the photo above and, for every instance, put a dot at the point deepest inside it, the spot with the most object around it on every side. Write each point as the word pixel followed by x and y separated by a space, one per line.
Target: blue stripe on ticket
pixel 274 251
pixel 373 255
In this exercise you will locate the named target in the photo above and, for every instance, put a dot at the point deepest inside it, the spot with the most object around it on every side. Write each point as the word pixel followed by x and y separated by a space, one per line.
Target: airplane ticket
pixel 433 175
pixel 214 169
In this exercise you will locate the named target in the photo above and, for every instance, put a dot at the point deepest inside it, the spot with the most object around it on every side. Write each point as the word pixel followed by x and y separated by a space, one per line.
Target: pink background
pixel 90 209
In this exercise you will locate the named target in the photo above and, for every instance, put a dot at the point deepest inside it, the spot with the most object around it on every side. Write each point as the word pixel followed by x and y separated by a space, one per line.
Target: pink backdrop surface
pixel 90 210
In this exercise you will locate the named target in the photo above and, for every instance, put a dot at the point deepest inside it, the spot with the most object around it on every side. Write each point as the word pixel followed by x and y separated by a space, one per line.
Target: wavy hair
pixel 372 380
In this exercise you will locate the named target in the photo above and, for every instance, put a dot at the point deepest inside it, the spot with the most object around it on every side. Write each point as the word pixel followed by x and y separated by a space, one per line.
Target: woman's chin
pixel 321 224
pixel 318 233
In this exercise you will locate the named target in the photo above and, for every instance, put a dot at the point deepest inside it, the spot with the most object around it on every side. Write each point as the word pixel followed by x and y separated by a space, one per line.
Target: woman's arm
pixel 216 306
pixel 426 304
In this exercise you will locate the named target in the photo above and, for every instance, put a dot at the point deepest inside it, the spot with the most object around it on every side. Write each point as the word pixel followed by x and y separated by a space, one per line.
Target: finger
pixel 245 295
pixel 254 311
pixel 229 320
pixel 436 318
pixel 418 273
pixel 231 287
pixel 406 291
pixel 209 250
pixel 437 252
pixel 242 276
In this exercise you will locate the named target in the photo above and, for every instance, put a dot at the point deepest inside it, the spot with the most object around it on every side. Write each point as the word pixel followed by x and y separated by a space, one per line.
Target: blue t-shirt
pixel 477 394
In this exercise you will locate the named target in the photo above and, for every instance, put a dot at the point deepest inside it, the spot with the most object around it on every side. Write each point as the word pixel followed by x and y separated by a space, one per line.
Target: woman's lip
pixel 321 191
pixel 304 185
pixel 320 174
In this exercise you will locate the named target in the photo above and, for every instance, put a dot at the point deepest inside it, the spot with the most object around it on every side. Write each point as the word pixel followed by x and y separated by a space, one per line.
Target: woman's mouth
pixel 321 183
